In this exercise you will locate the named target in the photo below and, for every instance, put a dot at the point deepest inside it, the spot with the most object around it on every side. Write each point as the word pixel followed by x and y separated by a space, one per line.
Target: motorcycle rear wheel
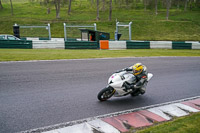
pixel 106 93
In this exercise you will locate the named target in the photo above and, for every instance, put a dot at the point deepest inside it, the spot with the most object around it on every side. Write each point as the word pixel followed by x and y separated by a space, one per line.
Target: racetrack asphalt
pixel 43 93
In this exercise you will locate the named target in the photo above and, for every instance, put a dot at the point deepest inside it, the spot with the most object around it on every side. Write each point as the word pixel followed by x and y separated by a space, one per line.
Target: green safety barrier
pixel 81 45
pixel 181 45
pixel 43 38
pixel 23 38
pixel 71 39
pixel 137 45
pixel 18 44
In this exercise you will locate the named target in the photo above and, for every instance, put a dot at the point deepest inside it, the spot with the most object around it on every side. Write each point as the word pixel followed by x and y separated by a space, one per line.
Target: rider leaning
pixel 140 72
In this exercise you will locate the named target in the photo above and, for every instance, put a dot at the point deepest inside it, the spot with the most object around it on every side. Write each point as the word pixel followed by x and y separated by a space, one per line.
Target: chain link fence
pixel 42 31
pixel 72 32
pixel 124 29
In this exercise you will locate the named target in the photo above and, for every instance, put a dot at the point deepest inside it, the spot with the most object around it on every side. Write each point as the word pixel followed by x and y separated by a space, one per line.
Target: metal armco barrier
pixel 29 43
pixel 117 44
pixel 181 45
pixel 16 44
pixel 81 45
pixel 160 44
pixel 137 45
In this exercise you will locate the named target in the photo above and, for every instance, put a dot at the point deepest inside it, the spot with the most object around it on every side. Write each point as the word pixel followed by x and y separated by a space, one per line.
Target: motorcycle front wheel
pixel 106 93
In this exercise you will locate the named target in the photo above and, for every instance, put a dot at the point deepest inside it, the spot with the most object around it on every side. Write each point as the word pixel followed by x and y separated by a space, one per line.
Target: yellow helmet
pixel 137 68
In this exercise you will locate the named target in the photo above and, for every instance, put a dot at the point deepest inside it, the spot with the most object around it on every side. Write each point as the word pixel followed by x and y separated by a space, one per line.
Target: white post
pixel 95 26
pixel 116 32
pixel 117 27
pixel 49 30
pixel 130 31
pixel 65 32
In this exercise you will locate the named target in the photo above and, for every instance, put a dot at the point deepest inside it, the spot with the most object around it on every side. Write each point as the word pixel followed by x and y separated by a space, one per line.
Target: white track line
pixel 153 57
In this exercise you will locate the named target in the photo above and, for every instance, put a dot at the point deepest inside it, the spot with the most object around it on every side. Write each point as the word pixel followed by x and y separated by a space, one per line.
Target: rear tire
pixel 106 93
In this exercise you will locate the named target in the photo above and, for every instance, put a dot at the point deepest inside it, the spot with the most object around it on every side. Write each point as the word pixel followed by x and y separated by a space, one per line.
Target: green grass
pixel 146 25
pixel 188 124
pixel 49 54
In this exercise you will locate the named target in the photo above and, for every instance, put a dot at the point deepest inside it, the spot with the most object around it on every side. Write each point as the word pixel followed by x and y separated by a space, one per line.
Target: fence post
pixel 130 31
pixel 95 26
pixel 65 31
pixel 116 32
pixel 49 30
pixel 117 27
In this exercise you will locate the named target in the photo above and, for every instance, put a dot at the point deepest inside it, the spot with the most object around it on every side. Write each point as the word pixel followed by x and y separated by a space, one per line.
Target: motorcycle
pixel 116 85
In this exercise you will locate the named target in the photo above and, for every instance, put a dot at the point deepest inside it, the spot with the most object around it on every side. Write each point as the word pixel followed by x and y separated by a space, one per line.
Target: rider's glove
pixel 119 71
pixel 125 69
pixel 128 69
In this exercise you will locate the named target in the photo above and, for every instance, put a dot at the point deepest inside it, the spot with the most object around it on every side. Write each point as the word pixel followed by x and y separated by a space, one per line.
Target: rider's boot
pixel 142 90
pixel 128 86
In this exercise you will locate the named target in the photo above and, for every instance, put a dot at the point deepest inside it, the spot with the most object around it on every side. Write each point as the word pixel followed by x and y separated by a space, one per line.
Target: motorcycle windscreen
pixel 150 75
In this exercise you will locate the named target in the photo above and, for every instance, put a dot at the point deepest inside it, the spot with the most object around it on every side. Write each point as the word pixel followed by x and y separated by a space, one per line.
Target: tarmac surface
pixel 42 93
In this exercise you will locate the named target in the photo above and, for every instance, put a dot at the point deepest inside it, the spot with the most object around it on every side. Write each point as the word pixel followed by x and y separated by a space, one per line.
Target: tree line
pixel 108 4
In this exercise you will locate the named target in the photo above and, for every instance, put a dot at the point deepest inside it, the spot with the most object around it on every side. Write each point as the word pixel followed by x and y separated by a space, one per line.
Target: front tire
pixel 106 93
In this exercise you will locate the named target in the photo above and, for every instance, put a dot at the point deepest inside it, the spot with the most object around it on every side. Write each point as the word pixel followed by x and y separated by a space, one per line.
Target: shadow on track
pixel 123 102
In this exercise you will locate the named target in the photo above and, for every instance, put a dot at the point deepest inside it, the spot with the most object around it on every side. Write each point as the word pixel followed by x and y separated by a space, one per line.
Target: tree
pixel 156 7
pixel 110 11
pixel 11 7
pixel 178 4
pixel 69 9
pixel 145 5
pixel 97 10
pixel 191 2
pixel 185 9
pixel 57 6
pixel 1 6
pixel 92 2
pixel 103 8
pixel 127 3
pixel 168 6
pixel 164 3
pixel 48 6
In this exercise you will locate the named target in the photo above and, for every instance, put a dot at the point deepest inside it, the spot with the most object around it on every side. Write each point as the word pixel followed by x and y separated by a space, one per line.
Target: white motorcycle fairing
pixel 116 85
pixel 117 80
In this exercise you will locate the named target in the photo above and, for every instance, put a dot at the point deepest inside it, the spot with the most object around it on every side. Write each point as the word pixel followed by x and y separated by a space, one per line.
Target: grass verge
pixel 181 26
pixel 187 124
pixel 53 54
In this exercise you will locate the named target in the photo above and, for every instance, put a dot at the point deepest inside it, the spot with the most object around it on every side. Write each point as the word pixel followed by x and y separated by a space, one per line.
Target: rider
pixel 140 72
